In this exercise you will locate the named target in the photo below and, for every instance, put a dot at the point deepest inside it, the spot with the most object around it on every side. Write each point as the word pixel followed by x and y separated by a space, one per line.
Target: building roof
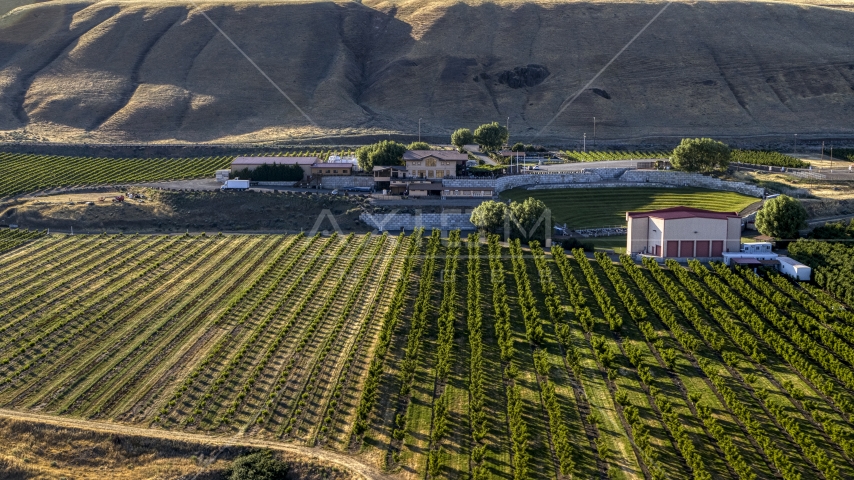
pixel 746 261
pixel 331 165
pixel 790 261
pixel 271 160
pixel 429 186
pixel 389 167
pixel 510 153
pixel 467 189
pixel 451 155
pixel 673 213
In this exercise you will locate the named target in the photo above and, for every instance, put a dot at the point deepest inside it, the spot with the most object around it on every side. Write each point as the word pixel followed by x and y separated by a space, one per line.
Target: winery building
pixel 683 232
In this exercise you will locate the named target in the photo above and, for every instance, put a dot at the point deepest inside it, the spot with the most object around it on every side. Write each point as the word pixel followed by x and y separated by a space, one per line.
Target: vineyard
pixel 753 157
pixel 25 173
pixel 435 357
pixel 606 155
pixel 14 238
pixel 761 157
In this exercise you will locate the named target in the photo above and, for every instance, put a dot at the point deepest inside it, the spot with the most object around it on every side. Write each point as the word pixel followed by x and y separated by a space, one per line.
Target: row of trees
pixel 444 353
pixel 781 346
pixel 347 372
pixel 271 173
pixel 370 389
pixel 477 384
pixel 323 351
pixel 837 433
pixel 833 264
pixel 785 324
pixel 561 440
pixel 519 435
pixel 233 304
pixel 249 346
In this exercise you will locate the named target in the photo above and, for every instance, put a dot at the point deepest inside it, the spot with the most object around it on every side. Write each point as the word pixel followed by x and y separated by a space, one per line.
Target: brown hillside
pixel 157 70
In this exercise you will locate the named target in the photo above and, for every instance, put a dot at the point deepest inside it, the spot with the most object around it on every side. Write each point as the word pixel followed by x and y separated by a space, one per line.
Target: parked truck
pixel 235 184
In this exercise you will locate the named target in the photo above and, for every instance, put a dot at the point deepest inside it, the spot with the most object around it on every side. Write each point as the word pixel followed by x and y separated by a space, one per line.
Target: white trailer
pixel 236 184
pixel 728 256
pixel 222 175
pixel 794 269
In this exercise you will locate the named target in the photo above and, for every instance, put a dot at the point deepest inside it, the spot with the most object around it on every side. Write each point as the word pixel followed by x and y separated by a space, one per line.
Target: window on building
pixel 440 173
pixel 431 162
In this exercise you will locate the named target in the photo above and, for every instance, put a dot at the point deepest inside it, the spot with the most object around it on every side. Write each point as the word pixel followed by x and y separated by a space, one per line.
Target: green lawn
pixel 599 207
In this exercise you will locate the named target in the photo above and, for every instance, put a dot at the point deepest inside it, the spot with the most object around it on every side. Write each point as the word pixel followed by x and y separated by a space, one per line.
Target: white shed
pixel 794 269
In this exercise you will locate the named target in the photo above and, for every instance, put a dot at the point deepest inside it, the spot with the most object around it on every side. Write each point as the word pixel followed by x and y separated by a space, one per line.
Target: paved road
pixel 823 220
pixel 475 150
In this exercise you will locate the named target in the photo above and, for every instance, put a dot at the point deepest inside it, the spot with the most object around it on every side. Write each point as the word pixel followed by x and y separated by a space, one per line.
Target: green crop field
pixel 436 358
pixel 26 173
pixel 599 207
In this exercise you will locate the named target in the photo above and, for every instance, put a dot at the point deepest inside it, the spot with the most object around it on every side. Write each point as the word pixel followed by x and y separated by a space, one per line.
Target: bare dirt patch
pixel 162 211
pixel 35 450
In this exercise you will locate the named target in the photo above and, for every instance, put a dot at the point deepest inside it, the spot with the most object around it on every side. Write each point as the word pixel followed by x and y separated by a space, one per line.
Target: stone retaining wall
pixel 596 177
pixel 690 180
pixel 397 221
pixel 599 185
pixel 347 181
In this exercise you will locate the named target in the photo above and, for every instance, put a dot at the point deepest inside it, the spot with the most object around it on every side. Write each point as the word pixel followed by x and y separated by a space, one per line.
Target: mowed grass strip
pixel 599 207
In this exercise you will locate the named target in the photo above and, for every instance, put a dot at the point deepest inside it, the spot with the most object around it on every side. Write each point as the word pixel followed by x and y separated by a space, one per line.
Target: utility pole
pixel 584 145
pixel 594 133
pixel 508 131
pixel 419 129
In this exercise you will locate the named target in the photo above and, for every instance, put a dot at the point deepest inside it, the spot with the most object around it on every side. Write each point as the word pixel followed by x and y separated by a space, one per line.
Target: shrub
pixel 258 466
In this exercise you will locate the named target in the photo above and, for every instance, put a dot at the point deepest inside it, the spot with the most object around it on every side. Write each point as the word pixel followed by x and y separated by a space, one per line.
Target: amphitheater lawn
pixel 600 207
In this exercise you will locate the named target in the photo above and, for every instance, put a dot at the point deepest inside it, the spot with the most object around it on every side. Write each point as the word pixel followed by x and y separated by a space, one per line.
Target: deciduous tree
pixel 488 215
pixel 461 138
pixel 491 136
pixel 700 155
pixel 386 152
pixel 781 217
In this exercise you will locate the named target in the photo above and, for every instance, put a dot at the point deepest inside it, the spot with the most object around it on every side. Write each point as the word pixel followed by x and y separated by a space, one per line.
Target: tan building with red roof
pixel 683 232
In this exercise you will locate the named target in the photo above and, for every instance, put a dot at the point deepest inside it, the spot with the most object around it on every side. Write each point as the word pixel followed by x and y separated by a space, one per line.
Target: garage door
pixel 703 248
pixel 687 249
pixel 717 248
pixel 672 248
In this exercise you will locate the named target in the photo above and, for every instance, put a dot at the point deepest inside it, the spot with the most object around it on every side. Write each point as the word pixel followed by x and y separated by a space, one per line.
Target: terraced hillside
pixel 159 70
pixel 439 358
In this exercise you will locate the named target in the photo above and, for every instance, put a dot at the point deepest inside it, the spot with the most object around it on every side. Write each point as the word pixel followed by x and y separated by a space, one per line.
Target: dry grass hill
pixel 158 71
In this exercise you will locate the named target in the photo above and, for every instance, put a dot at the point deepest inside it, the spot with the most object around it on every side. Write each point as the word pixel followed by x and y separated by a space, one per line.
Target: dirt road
pixel 339 459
